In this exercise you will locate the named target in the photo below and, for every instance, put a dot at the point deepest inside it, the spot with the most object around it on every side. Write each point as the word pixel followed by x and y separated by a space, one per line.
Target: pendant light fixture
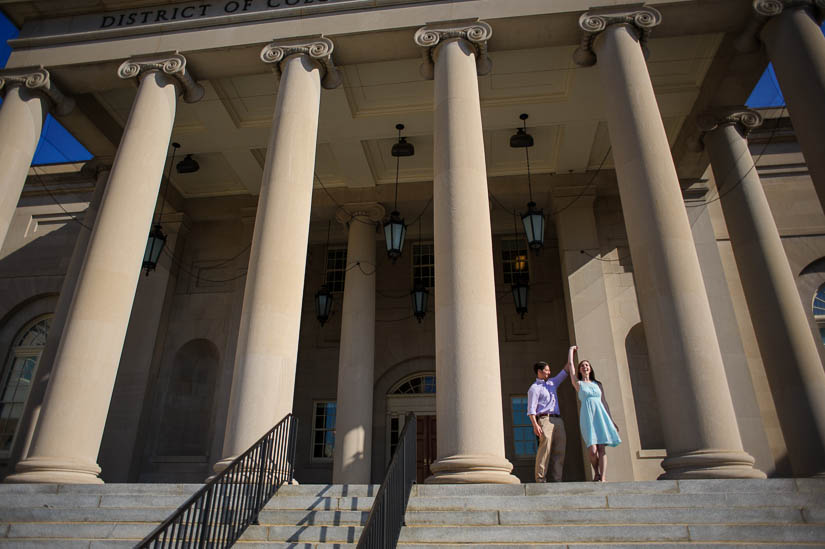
pixel 420 294
pixel 157 238
pixel 323 297
pixel 520 287
pixel 394 228
pixel 533 219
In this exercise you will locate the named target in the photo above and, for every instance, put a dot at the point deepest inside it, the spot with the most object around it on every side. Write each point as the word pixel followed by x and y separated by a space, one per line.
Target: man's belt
pixel 548 415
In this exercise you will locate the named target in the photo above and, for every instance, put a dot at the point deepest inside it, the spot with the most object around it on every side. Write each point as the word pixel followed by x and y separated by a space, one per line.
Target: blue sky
pixel 57 145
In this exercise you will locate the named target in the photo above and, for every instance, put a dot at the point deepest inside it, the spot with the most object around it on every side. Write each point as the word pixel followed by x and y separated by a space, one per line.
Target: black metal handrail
pixel 219 513
pixel 387 514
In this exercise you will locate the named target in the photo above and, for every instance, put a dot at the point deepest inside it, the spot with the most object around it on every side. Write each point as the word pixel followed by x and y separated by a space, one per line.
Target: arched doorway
pixel 415 393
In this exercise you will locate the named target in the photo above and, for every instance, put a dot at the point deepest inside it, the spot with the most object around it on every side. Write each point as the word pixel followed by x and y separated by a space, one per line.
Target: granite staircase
pixel 726 513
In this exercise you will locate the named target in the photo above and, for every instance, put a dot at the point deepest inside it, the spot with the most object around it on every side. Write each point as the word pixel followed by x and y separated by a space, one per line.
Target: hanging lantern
pixel 394 232
pixel 534 219
pixel 394 228
pixel 323 304
pixel 533 222
pixel 419 295
pixel 157 239
pixel 154 246
pixel 520 291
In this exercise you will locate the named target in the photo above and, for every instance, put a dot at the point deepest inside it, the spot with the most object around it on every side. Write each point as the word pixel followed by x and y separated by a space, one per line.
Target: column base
pixel 472 469
pixel 52 470
pixel 241 476
pixel 710 464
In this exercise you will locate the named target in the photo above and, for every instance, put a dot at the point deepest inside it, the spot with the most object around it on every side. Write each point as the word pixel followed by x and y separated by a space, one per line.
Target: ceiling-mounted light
pixel 188 165
pixel 157 239
pixel 394 228
pixel 533 219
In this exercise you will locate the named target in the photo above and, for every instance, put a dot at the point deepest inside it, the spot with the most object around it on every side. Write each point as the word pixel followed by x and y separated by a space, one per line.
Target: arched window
pixel 819 311
pixel 416 385
pixel 18 376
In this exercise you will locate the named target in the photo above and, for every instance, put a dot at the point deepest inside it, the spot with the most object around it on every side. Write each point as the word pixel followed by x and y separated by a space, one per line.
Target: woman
pixel 597 426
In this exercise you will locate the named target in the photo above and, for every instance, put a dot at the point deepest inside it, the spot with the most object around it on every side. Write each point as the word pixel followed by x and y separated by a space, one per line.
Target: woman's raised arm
pixel 571 368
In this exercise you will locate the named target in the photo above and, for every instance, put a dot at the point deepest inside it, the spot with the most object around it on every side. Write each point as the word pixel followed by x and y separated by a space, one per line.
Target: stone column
pixel 356 356
pixel 67 439
pixel 44 368
pixel 700 428
pixel 796 47
pixel 28 94
pixel 588 313
pixel 468 402
pixel 788 348
pixel 263 381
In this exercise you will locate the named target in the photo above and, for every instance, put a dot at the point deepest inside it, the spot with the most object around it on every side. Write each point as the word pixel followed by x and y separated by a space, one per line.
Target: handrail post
pixel 261 473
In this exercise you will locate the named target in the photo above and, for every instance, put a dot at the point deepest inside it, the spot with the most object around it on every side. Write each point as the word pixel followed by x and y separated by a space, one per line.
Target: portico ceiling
pixel 228 130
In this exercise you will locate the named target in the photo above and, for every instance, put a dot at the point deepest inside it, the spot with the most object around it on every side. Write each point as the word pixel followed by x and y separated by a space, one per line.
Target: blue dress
pixel 595 422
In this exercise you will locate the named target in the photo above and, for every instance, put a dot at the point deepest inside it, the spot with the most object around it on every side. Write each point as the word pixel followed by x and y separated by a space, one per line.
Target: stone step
pixel 329 490
pixel 548 517
pixel 312 534
pixel 358 503
pixel 77 530
pixel 599 533
pixel 101 489
pixel 605 501
pixel 66 544
pixel 285 517
pixel 74 501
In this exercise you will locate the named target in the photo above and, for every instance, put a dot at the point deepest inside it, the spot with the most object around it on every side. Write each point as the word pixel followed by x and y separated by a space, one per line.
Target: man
pixel 543 410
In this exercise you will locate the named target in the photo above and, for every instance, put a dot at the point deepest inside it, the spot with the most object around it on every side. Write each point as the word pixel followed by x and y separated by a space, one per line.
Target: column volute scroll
pixel 317 48
pixel 37 80
pixel 745 120
pixel 171 64
pixel 763 10
pixel 592 23
pixel 474 32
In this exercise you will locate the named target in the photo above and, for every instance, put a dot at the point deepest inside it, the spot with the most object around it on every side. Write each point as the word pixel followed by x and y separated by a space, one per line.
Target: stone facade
pixel 685 275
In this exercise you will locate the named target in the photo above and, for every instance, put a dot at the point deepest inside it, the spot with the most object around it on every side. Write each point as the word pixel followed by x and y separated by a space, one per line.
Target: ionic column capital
pixel 769 8
pixel 171 64
pixel 763 10
pixel 39 80
pixel 318 48
pixel 594 22
pixel 372 211
pixel 743 118
pixel 473 31
pixel 96 166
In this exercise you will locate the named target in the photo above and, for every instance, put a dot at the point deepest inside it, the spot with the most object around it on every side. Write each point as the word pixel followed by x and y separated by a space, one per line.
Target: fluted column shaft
pixel 356 357
pixel 21 119
pixel 468 402
pixel 264 377
pixel 66 443
pixel 796 47
pixel 787 346
pixel 700 426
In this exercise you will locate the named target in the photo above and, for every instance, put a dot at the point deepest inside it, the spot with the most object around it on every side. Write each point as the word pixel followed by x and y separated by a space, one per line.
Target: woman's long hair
pixel 592 372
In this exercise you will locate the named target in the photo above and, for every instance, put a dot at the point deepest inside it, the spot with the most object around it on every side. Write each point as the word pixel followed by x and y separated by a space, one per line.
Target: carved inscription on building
pixel 201 10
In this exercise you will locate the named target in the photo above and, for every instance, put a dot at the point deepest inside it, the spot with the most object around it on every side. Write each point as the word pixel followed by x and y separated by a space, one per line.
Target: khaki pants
pixel 551 445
